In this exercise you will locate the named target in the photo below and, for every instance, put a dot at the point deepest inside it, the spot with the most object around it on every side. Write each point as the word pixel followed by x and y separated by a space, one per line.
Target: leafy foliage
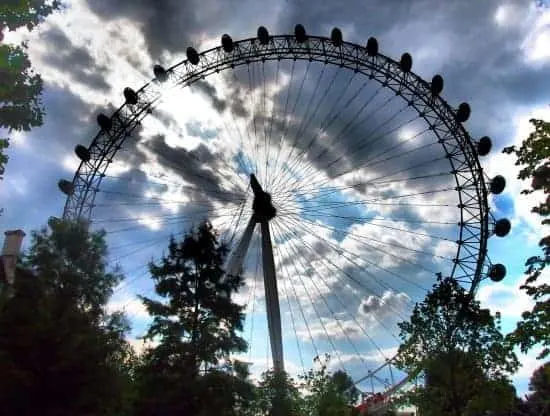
pixel 75 262
pixel 328 394
pixel 196 328
pixel 60 355
pixel 538 401
pixel 277 390
pixel 456 385
pixel 457 345
pixel 25 13
pixel 20 88
pixel 534 155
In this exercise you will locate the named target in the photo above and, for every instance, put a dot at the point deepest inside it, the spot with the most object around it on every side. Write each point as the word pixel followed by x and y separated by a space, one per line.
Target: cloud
pixel 131 306
pixel 175 25
pixel 64 54
pixel 173 170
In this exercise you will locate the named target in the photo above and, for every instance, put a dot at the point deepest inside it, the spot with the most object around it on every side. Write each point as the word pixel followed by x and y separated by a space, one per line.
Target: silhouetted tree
pixel 75 263
pixel 533 156
pixel 538 401
pixel 60 352
pixel 277 389
pixel 452 340
pixel 328 394
pixel 196 328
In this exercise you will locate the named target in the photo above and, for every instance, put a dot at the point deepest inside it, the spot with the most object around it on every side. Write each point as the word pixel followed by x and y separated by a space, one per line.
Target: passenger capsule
pixel 65 186
pixel 300 33
pixel 130 96
pixel 192 55
pixel 497 272
pixel 82 153
pixel 502 227
pixel 437 84
pixel 160 73
pixel 406 62
pixel 372 47
pixel 227 43
pixel 104 122
pixel 263 35
pixel 336 37
pixel 463 112
pixel 498 183
pixel 484 146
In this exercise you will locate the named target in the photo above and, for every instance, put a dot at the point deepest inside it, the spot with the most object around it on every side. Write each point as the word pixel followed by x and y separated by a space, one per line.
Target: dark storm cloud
pixel 198 167
pixel 173 25
pixel 74 61
pixel 210 92
pixel 482 63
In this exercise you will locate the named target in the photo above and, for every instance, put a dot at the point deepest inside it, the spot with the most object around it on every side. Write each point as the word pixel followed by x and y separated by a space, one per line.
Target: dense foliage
pixel 458 347
pixel 538 400
pixel 534 158
pixel 85 366
pixel 61 353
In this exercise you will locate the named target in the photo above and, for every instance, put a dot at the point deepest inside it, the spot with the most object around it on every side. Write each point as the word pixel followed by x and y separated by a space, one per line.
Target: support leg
pixel 272 299
pixel 235 264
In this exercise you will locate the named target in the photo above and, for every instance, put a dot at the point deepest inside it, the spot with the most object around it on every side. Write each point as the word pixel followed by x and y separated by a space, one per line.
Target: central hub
pixel 262 206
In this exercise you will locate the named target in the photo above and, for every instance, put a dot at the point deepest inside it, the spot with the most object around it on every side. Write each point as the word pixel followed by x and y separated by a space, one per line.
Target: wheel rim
pixel 442 121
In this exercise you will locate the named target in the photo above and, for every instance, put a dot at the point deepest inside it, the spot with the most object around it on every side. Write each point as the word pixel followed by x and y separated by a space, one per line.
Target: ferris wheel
pixel 342 181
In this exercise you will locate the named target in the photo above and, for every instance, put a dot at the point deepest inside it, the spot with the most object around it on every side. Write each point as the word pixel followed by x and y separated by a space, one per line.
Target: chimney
pixel 10 253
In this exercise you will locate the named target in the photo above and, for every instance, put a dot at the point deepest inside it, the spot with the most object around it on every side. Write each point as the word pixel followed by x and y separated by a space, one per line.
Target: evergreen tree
pixel 196 326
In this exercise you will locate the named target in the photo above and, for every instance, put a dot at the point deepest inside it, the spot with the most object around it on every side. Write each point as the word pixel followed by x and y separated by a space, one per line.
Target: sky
pixel 335 150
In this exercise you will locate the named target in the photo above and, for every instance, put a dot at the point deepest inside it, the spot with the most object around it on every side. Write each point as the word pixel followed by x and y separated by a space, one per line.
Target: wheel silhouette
pixel 360 179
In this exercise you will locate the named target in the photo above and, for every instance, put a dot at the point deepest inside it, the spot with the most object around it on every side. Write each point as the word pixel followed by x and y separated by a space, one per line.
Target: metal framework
pixel 471 258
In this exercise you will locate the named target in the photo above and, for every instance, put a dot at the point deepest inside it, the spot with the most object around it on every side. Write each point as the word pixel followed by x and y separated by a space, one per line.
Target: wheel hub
pixel 262 207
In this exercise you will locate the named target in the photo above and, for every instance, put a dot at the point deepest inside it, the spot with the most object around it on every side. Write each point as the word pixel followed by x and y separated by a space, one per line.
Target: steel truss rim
pixel 381 68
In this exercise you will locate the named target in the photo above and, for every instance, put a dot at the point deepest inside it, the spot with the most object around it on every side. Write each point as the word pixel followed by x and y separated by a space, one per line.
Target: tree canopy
pixel 538 400
pixel 458 347
pixel 328 394
pixel 61 353
pixel 533 156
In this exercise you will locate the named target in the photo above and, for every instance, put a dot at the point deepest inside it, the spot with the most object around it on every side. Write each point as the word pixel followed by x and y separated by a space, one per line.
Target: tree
pixel 328 394
pixel 457 345
pixel 538 401
pixel 58 356
pixel 276 387
pixel 534 155
pixel 75 262
pixel 344 386
pixel 196 325
pixel 20 88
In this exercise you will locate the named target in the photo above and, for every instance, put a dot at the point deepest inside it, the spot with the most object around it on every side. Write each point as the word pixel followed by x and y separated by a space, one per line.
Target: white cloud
pixel 509 300
pixel 130 305
pixel 503 164
pixel 535 45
